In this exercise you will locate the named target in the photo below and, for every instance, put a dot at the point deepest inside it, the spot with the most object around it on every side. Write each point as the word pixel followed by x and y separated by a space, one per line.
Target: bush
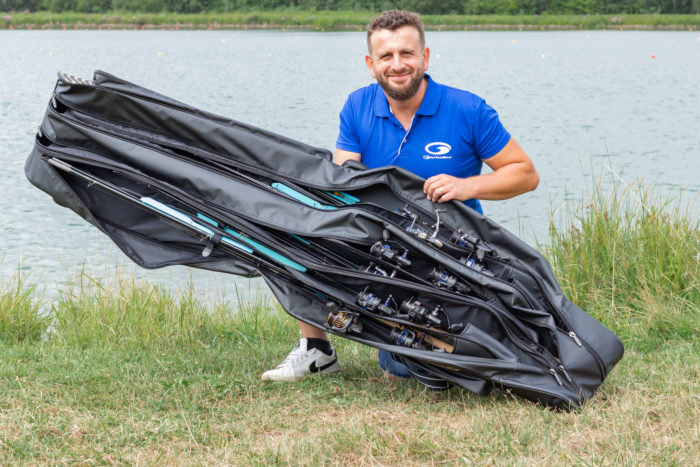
pixel 146 6
pixel 93 6
pixel 57 6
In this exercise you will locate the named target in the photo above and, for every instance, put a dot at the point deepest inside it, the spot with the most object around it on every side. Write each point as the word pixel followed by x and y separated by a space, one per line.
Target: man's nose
pixel 396 61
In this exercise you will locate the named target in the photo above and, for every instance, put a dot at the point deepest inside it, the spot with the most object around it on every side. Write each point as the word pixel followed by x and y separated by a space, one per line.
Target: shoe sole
pixel 293 379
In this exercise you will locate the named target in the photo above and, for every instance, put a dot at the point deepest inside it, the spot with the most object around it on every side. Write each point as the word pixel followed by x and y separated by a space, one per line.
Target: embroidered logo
pixel 437 150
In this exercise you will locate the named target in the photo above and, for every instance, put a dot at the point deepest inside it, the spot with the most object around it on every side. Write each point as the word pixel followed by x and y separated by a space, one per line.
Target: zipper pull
pixel 54 104
pixel 573 335
pixel 563 370
pixel 556 376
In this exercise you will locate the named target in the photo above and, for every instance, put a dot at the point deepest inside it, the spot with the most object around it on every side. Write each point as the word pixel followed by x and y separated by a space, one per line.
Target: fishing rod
pixel 211 233
pixel 394 329
pixel 417 315
pixel 215 236
pixel 417 228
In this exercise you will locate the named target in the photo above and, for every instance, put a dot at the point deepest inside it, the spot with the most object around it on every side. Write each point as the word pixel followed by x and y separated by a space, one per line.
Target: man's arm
pixel 341 156
pixel 513 174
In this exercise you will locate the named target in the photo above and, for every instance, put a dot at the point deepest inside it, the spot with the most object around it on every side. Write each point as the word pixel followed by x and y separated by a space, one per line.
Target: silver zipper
pixel 573 335
pixel 556 376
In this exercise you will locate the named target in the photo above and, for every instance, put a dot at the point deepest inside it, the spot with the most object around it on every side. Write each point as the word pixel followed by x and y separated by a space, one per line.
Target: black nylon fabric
pixel 508 327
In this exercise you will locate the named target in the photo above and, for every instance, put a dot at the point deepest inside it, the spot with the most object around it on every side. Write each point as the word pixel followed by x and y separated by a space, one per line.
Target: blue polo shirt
pixel 451 133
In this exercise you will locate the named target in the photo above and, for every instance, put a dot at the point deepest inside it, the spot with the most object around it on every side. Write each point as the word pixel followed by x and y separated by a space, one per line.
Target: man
pixel 440 133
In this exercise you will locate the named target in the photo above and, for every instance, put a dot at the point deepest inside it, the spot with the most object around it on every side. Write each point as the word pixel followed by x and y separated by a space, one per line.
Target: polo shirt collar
pixel 428 107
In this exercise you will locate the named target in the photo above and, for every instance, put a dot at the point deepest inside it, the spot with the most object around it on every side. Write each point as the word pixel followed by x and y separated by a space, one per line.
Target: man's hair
pixel 393 20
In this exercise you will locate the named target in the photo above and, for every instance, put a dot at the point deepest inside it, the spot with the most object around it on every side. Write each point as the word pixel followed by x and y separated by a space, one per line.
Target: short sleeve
pixel 347 137
pixel 489 134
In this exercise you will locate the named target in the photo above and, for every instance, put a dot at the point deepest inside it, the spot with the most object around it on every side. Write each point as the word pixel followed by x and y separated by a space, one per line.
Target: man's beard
pixel 403 93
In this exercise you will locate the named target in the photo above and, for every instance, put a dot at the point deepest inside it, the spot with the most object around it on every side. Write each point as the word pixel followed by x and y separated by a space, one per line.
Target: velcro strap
pixel 211 243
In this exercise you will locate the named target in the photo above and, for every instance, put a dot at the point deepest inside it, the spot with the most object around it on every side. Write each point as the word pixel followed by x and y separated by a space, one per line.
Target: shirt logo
pixel 437 150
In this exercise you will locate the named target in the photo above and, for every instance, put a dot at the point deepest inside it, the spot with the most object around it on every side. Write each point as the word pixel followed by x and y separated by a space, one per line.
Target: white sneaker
pixel 301 362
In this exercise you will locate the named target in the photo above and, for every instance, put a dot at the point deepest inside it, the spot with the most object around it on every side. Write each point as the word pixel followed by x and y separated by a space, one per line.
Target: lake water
pixel 580 103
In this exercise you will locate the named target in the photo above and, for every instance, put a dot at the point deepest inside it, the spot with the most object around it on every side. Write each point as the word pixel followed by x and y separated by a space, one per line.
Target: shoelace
pixel 293 356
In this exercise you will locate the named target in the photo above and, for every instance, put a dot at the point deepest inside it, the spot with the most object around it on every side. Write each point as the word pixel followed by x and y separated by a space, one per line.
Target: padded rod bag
pixel 326 239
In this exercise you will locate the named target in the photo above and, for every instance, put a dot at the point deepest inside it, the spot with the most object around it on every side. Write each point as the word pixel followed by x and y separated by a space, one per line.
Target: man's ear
pixel 370 65
pixel 426 57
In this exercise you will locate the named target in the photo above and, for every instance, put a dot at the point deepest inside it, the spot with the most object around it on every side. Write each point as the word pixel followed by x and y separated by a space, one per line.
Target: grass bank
pixel 128 373
pixel 334 20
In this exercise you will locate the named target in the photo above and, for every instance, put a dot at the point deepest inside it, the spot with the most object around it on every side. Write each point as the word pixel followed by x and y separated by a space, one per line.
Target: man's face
pixel 397 61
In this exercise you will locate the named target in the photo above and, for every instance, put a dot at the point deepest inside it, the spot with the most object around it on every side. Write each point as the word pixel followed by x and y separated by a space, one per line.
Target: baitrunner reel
pixel 387 253
pixel 478 266
pixel 419 231
pixel 444 280
pixel 472 242
pixel 407 338
pixel 371 302
pixel 411 310
pixel 342 321
pixel 416 312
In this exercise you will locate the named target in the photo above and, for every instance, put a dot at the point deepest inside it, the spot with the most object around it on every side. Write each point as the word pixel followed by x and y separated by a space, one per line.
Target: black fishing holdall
pixel 359 253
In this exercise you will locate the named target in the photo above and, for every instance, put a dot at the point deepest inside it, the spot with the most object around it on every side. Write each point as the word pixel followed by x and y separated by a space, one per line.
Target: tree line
pixel 468 7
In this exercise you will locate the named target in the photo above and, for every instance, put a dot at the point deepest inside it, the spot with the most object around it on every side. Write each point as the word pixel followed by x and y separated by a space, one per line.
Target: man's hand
pixel 513 174
pixel 442 188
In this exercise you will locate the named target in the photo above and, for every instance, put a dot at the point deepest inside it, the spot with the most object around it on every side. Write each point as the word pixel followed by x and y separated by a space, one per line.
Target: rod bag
pixel 357 252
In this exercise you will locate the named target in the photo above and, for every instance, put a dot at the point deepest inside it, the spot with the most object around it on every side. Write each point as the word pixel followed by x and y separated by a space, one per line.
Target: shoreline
pixel 347 28
pixel 326 21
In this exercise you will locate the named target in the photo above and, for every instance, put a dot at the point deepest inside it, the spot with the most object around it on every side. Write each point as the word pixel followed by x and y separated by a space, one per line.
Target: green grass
pixel 133 374
pixel 21 318
pixel 337 20
pixel 632 260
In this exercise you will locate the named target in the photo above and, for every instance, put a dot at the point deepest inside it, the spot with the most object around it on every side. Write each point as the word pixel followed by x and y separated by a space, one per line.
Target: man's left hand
pixel 442 188
pixel 513 174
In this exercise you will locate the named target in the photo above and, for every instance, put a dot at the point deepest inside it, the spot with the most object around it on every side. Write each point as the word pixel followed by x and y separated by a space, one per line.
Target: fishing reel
pixel 407 213
pixel 342 321
pixel 444 280
pixel 472 242
pixel 369 301
pixel 463 239
pixel 477 266
pixel 422 234
pixel 387 253
pixel 417 313
pixel 417 230
pixel 407 338
pixel 374 269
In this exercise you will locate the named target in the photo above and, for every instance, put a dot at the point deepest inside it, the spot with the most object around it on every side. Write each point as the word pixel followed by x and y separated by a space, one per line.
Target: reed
pixel 632 259
pixel 21 318
pixel 123 313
